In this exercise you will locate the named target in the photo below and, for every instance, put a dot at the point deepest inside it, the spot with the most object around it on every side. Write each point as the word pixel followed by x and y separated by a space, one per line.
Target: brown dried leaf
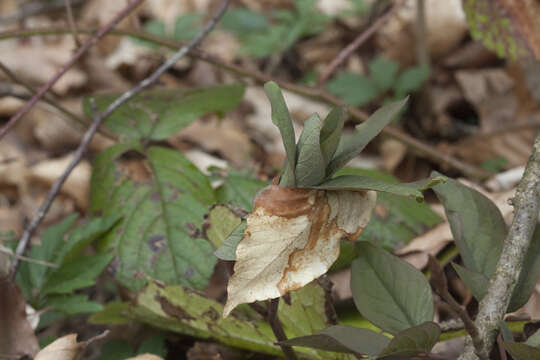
pixel 66 348
pixel 17 337
pixel 292 237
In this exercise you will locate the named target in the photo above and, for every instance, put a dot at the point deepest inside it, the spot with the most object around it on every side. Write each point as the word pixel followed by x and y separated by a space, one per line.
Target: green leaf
pixel 389 292
pixel 220 222
pixel 160 235
pixel 239 189
pixel 345 339
pixel 158 114
pixel 282 119
pixel 116 349
pixel 154 345
pixel 477 225
pixel 227 251
pixel 358 182
pixel 506 332
pixel 477 283
pixel 76 275
pixel 241 21
pixel 520 351
pixel 383 72
pixel 530 272
pixel 354 89
pixel 154 27
pixel 534 339
pixel 310 164
pixel 413 341
pixel 114 313
pixel 331 133
pixel 73 304
pixel 410 80
pixel 349 147
pixel 187 26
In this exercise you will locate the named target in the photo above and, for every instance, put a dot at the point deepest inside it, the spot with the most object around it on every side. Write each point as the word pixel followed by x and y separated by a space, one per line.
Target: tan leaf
pixel 292 237
pixel 145 357
pixel 66 348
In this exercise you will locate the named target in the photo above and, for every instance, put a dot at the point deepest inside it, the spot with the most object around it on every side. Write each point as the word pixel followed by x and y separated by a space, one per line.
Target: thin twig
pixel 78 54
pixel 275 324
pixel 27 259
pixel 71 22
pixel 422 51
pixel 353 46
pixel 98 120
pixel 420 148
pixel 502 351
pixel 440 284
pixel 494 304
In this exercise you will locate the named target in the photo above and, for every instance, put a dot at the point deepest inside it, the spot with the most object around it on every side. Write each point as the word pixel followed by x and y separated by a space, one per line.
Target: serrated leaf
pixel 410 80
pixel 76 275
pixel 358 182
pixel 227 251
pixel 282 119
pixel 349 147
pixel 413 341
pixel 239 189
pixel 476 223
pixel 219 223
pixel 389 292
pixel 383 72
pixel 159 236
pixel 345 339
pixel 510 28
pixel 158 114
pixel 73 304
pixel 331 133
pixel 310 165
pixel 521 351
pixel 477 283
pixel 354 89
pixel 291 238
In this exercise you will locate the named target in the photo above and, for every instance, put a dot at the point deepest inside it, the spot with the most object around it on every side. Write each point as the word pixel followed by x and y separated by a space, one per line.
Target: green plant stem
pixel 419 147
pixel 493 306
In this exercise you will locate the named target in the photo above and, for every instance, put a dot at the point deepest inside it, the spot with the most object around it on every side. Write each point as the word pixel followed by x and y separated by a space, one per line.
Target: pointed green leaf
pixel 413 341
pixel 310 164
pixel 76 275
pixel 477 283
pixel 282 119
pixel 227 251
pixel 351 146
pixel 354 89
pixel 411 80
pixel 331 133
pixel 383 72
pixel 345 339
pixel 158 114
pixel 389 292
pixel 160 235
pixel 521 351
pixel 358 182
pixel 477 225
pixel 72 304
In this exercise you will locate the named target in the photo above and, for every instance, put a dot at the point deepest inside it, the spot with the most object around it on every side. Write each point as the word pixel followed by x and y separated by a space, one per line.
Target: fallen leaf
pixel 292 237
pixel 17 338
pixel 66 348
pixel 145 357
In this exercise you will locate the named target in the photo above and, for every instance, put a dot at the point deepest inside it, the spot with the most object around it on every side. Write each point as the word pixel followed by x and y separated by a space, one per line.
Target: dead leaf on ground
pixel 145 357
pixel 67 348
pixel 17 338
pixel 292 237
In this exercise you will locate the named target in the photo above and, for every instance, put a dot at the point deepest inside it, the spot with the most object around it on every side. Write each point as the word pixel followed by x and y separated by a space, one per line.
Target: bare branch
pixel 71 22
pixel 78 54
pixel 98 120
pixel 493 306
pixel 275 324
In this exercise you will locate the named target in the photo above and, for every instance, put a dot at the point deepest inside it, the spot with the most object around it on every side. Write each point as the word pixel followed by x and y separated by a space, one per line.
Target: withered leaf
pixel 291 238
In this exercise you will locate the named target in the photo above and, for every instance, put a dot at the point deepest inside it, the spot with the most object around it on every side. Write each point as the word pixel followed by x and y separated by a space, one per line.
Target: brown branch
pixel 71 22
pixel 425 150
pixel 98 120
pixel 493 306
pixel 78 54
pixel 353 46
pixel 275 324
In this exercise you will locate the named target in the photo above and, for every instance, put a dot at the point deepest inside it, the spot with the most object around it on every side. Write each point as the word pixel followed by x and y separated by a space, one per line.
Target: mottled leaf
pixel 292 237
pixel 282 119
pixel 349 147
pixel 477 225
pixel 310 165
pixel 158 114
pixel 331 133
pixel 219 223
pixel 389 292
pixel 345 339
pixel 159 236
pixel 227 251
pixel 416 340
